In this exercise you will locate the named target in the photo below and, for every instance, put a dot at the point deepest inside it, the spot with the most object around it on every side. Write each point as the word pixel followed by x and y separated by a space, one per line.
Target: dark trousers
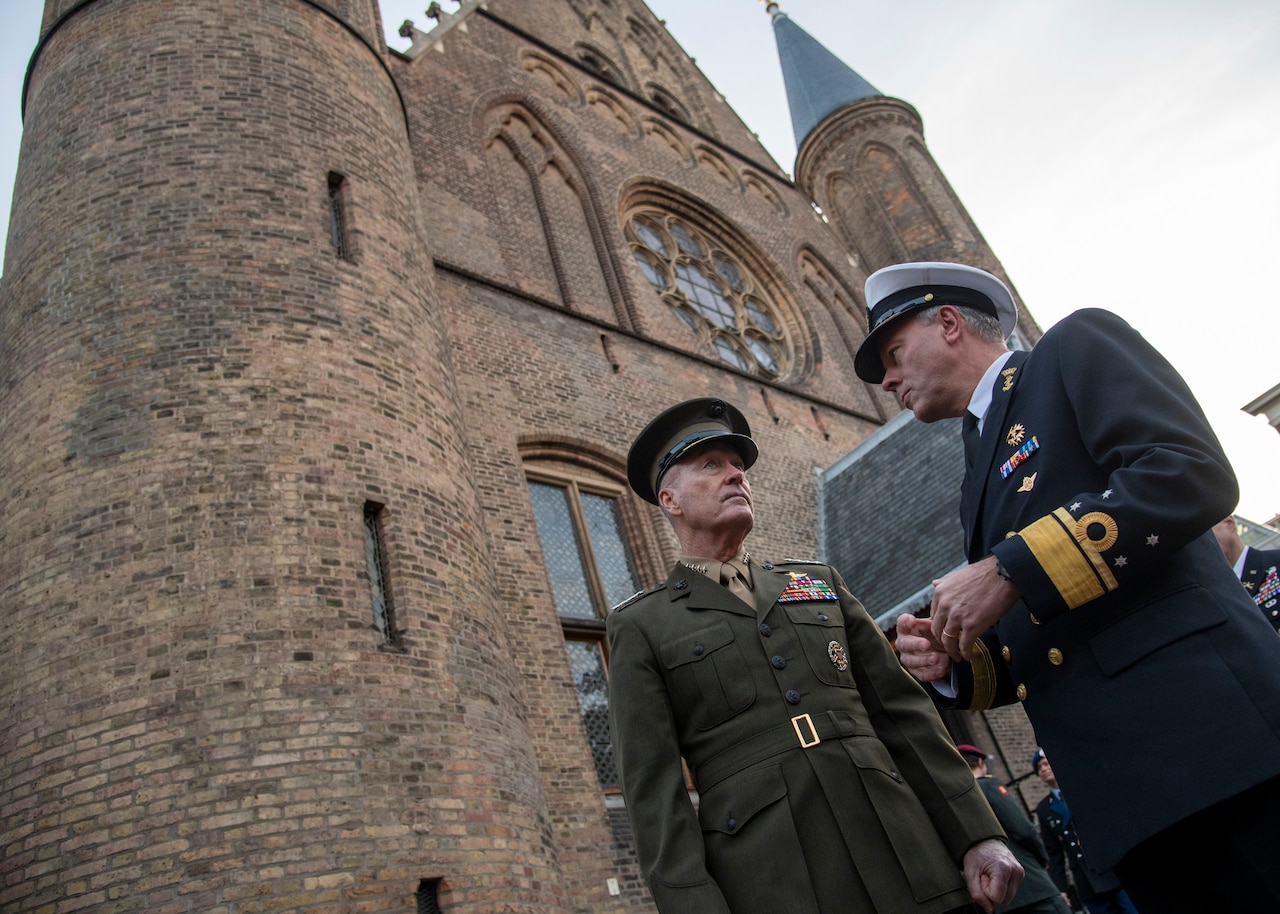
pixel 1226 858
pixel 1116 902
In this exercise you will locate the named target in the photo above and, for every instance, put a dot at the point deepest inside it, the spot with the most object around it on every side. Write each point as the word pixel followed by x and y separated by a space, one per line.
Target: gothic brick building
pixel 319 363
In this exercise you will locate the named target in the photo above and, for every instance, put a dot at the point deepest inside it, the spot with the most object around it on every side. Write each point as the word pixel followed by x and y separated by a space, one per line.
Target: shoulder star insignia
pixel 1107 494
pixel 1121 561
pixel 1076 506
pixel 1153 540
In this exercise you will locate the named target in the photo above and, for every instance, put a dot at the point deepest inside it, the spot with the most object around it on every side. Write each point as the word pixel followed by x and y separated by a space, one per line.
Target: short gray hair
pixel 985 326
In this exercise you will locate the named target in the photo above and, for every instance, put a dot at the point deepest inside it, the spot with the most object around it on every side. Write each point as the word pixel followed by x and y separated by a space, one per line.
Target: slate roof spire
pixel 817 81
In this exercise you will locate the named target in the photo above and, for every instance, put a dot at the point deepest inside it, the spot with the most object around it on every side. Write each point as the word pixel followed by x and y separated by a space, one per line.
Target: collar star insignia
pixel 1121 561
pixel 1248 585
pixel 1153 540
pixel 1016 433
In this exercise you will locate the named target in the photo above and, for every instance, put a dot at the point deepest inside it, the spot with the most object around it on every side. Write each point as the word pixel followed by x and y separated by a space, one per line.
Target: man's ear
pixel 668 502
pixel 950 320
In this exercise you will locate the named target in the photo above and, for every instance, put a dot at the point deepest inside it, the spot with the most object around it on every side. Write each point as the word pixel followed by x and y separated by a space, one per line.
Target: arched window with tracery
pixel 712 288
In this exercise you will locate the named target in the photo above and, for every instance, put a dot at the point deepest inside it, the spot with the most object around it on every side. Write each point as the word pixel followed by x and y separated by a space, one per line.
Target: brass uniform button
pixel 1022 692
pixel 1055 656
pixel 1005 652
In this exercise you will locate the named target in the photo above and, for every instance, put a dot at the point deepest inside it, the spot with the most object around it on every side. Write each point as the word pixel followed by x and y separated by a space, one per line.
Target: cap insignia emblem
pixel 836 651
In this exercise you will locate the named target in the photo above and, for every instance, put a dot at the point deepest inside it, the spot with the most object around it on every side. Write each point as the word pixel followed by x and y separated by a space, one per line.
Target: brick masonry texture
pixel 199 398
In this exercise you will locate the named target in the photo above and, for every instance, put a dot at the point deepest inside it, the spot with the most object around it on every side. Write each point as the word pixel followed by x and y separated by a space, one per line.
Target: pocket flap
pixel 730 804
pixel 1154 625
pixel 693 646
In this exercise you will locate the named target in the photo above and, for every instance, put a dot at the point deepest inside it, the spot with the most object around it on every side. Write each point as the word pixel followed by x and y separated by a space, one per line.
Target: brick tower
pixel 319 363
pixel 224 371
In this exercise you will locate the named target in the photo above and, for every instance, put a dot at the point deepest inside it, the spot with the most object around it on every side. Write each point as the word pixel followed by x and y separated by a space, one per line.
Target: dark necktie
pixel 971 436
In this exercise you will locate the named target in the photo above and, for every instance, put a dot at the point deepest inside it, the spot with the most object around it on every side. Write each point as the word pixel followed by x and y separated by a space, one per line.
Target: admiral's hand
pixel 967 602
pixel 992 873
pixel 920 653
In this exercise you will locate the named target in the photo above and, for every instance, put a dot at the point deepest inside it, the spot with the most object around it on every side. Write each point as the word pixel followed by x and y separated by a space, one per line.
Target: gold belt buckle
pixel 812 739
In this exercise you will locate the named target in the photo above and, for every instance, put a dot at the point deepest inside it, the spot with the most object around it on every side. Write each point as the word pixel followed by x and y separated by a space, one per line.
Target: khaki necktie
pixel 732 576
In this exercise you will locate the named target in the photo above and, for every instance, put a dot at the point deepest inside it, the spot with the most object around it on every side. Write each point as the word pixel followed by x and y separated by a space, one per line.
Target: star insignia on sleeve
pixel 1076 506
pixel 1121 561
pixel 1107 494
pixel 1153 540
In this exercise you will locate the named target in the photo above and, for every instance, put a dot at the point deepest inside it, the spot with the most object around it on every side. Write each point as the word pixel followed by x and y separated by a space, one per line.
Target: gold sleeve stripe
pixel 1052 541
pixel 984 677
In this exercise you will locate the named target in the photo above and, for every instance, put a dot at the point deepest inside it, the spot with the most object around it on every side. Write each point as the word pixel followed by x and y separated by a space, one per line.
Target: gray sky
pixel 1115 153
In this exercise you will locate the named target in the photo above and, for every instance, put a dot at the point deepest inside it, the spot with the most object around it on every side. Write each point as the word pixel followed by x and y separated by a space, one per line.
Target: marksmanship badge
pixel 835 650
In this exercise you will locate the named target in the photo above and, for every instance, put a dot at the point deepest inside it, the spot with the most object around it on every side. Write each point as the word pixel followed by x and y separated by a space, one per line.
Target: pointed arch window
pixel 712 290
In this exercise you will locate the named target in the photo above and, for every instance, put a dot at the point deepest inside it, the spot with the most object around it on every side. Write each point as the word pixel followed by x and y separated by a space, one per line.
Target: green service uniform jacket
pixel 825 779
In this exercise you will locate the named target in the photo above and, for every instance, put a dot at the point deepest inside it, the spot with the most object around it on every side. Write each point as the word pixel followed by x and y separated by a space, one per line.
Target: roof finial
pixel 770 6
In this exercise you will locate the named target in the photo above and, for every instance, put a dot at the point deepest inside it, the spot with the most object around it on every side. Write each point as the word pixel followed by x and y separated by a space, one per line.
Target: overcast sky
pixel 1115 153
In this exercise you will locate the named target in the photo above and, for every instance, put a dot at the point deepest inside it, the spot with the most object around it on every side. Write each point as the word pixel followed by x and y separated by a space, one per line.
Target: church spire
pixel 817 81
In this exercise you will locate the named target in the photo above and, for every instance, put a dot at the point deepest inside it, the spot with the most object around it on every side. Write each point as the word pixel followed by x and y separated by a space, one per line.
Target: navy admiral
pixel 1257 569
pixel 1095 594
pixel 825 780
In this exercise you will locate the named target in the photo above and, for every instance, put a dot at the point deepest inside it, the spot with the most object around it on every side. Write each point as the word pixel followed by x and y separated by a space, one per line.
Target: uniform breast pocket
pixel 709 676
pixel 823 639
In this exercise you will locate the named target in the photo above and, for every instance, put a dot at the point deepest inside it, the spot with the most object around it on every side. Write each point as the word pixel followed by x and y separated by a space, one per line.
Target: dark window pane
pixel 588 676
pixel 729 270
pixel 561 551
pixel 651 237
pixel 705 295
pixel 604 529
pixel 685 240
pixel 728 353
pixel 651 271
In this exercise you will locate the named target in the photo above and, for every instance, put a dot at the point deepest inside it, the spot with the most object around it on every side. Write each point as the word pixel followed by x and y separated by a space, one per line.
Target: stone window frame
pixel 745 325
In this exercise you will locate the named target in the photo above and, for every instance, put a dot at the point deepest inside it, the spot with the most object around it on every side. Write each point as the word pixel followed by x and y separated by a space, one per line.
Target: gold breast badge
pixel 836 651
pixel 1008 374
pixel 1016 433
pixel 1028 482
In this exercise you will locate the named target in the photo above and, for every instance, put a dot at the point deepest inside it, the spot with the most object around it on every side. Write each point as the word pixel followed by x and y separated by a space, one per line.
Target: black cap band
pixel 927 297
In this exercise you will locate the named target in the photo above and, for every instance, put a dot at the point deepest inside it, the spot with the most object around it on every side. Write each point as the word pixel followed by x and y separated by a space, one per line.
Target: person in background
pixel 1256 568
pixel 1037 894
pixel 826 783
pixel 1095 594
pixel 1100 892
